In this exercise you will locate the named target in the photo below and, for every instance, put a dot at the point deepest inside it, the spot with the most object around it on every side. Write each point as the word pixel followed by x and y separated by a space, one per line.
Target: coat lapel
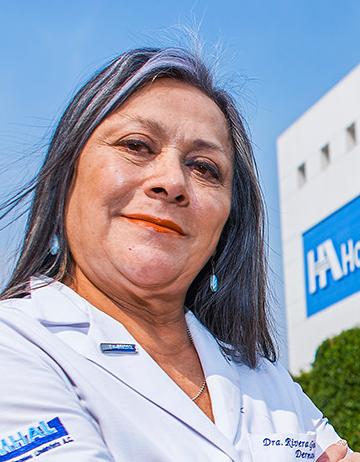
pixel 222 379
pixel 141 373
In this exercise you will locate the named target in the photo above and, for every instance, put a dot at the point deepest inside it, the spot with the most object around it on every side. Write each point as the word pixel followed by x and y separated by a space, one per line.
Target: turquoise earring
pixel 54 244
pixel 214 282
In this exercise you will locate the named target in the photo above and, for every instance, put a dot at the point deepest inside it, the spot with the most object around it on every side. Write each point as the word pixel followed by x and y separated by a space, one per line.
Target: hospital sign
pixel 332 258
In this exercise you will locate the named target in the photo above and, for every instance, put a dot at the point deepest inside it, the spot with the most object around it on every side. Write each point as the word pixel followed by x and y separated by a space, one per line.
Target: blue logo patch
pixel 332 258
pixel 22 442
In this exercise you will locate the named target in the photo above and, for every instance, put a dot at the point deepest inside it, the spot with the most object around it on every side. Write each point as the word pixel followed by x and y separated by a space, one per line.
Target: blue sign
pixel 332 258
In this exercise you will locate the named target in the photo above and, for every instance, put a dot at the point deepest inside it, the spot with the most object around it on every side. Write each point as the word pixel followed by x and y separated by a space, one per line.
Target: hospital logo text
pixel 33 441
pixel 332 258
pixel 324 263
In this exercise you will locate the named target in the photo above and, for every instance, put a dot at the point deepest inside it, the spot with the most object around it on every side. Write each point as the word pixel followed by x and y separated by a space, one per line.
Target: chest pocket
pixel 283 447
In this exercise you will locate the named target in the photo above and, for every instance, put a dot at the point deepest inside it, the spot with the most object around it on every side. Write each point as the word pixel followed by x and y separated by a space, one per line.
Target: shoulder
pixel 272 384
pixel 273 371
pixel 267 375
pixel 17 303
pixel 17 311
pixel 20 333
pixel 23 335
pixel 36 394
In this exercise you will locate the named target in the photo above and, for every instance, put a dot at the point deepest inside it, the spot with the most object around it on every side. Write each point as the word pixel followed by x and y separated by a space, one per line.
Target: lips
pixel 158 224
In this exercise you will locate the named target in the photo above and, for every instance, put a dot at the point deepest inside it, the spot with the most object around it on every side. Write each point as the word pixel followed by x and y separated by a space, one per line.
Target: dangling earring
pixel 214 283
pixel 54 244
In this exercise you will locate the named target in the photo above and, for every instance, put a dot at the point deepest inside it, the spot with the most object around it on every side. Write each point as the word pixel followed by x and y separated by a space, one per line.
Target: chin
pixel 152 271
pixel 150 278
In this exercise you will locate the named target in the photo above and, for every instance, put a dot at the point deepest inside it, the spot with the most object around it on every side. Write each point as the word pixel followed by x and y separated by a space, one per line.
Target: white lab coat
pixel 62 399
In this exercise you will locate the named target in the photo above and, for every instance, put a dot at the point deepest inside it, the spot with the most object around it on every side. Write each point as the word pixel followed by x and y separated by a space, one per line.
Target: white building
pixel 319 184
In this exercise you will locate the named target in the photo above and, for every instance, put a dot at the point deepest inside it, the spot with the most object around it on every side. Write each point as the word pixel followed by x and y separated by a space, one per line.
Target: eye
pixel 137 146
pixel 205 169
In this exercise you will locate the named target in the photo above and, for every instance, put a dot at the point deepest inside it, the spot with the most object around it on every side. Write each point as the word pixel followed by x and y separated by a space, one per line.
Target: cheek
pixel 213 215
pixel 104 185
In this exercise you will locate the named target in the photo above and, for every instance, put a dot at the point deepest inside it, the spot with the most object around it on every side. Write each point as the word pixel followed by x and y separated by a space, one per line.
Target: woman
pixel 147 203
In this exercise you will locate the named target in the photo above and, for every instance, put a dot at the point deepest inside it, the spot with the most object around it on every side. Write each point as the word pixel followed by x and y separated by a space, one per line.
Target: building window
pixel 351 136
pixel 301 174
pixel 325 156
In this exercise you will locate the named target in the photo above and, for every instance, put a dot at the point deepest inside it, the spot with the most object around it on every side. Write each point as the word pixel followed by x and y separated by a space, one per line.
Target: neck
pixel 156 321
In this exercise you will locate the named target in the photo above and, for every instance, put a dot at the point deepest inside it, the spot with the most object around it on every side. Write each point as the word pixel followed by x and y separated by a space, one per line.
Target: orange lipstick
pixel 158 224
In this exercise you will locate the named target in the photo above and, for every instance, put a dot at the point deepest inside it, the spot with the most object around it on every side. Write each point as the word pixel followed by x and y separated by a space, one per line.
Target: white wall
pixel 324 191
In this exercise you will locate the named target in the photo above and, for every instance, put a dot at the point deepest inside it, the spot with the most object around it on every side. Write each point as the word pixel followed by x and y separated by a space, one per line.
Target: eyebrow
pixel 149 124
pixel 199 144
pixel 203 145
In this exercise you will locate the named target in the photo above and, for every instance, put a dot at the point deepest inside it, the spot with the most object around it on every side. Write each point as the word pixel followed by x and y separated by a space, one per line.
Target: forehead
pixel 175 104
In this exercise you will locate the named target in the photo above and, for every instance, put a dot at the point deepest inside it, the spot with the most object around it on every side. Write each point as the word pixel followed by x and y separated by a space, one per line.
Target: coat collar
pixel 57 304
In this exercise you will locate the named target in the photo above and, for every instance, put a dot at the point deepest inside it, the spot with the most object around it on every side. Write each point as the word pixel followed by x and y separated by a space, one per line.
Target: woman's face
pixel 152 190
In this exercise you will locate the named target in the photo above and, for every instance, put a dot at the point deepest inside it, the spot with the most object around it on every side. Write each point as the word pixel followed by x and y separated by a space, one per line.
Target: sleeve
pixel 41 416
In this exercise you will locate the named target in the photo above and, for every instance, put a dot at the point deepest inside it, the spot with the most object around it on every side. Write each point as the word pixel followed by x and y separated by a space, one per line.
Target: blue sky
pixel 278 56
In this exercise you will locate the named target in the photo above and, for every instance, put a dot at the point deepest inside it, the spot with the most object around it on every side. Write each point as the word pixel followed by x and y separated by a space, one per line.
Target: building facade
pixel 319 187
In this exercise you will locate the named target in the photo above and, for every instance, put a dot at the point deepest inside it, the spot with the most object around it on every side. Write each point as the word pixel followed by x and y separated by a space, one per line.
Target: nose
pixel 168 181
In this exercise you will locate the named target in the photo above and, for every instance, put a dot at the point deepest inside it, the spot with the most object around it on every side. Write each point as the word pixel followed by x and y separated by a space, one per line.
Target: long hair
pixel 238 313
